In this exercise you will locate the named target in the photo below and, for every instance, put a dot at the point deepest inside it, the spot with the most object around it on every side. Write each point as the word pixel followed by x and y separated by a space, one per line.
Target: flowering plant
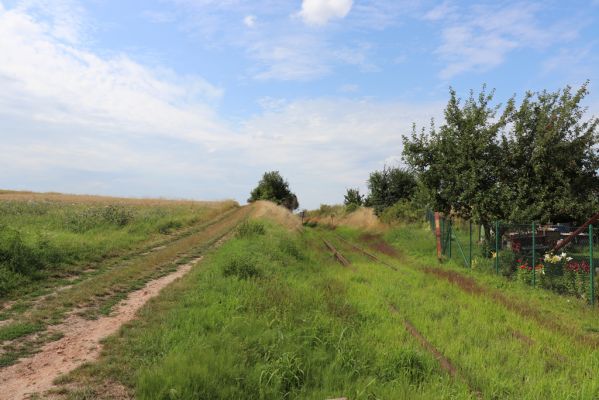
pixel 578 266
pixel 556 258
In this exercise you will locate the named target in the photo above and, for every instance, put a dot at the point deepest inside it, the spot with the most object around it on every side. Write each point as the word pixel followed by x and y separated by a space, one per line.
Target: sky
pixel 198 98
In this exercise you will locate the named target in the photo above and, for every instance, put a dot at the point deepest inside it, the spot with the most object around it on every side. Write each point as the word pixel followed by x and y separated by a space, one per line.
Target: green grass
pixel 302 327
pixel 273 316
pixel 105 287
pixel 42 241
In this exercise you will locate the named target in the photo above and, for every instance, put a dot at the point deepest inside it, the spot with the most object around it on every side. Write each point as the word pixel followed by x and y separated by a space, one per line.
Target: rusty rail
pixel 344 261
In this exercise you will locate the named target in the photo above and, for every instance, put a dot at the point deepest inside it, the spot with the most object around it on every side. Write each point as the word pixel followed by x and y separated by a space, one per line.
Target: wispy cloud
pixel 282 47
pixel 481 37
pixel 74 120
pixel 63 82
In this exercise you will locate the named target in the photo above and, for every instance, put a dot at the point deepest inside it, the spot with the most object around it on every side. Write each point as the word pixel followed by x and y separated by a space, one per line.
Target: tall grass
pixel 295 330
pixel 305 327
pixel 39 239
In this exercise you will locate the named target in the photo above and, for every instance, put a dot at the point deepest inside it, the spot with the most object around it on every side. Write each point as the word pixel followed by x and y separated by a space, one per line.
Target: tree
pixel 274 188
pixel 353 197
pixel 552 158
pixel 537 161
pixel 460 164
pixel 388 186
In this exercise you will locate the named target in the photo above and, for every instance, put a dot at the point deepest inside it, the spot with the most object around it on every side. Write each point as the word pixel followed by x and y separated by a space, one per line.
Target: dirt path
pixel 80 343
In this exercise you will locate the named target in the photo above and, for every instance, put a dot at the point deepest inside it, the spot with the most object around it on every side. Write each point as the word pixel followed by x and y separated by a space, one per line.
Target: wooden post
pixel 438 235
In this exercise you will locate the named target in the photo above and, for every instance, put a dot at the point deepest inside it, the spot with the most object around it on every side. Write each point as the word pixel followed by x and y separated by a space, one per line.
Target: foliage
pixel 404 211
pixel 353 197
pixel 532 162
pixel 389 186
pixel 551 158
pixel 459 164
pixel 273 187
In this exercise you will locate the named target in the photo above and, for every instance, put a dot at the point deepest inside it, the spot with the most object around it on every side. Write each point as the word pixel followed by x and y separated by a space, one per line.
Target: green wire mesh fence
pixel 526 253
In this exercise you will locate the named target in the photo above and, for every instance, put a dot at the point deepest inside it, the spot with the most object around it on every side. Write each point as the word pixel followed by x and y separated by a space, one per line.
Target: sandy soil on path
pixel 80 343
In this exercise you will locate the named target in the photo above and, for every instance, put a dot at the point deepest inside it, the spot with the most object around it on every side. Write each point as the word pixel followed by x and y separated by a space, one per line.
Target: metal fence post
pixel 450 238
pixel 443 236
pixel 470 248
pixel 534 254
pixel 497 247
pixel 592 267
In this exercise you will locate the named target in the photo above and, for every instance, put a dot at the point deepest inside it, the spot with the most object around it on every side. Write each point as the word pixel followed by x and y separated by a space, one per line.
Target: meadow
pixel 272 315
pixel 44 237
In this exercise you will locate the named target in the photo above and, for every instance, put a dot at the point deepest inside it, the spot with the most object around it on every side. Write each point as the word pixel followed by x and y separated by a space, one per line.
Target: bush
pixel 242 267
pixel 351 207
pixel 250 228
pixel 403 211
pixel 18 256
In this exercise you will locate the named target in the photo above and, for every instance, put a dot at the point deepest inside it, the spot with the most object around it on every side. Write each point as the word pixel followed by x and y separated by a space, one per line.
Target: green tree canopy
pixel 389 186
pixel 460 164
pixel 552 157
pixel 274 188
pixel 537 161
pixel 353 197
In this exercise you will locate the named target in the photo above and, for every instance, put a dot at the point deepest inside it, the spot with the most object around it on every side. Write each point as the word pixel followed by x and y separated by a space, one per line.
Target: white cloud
pixel 480 39
pixel 65 17
pixel 329 144
pixel 62 82
pixel 249 21
pixel 298 57
pixel 72 120
pixel 319 12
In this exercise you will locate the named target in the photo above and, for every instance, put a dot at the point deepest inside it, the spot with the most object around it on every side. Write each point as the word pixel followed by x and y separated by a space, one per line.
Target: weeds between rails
pixel 289 329
pixel 444 363
pixel 469 285
pixel 552 355
pixel 298 326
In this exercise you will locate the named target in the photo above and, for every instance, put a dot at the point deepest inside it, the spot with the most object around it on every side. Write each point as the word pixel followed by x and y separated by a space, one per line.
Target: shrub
pixel 250 228
pixel 351 207
pixel 402 211
pixel 17 255
pixel 242 267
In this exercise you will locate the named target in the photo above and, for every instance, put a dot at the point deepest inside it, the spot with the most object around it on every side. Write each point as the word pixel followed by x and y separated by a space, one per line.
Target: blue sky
pixel 197 98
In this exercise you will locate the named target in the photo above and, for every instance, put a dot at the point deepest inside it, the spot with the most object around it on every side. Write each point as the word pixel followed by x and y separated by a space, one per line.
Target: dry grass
pixel 278 214
pixel 363 218
pixel 6 195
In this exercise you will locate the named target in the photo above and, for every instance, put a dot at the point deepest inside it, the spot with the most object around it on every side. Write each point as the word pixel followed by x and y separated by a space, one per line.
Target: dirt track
pixel 81 338
pixel 80 343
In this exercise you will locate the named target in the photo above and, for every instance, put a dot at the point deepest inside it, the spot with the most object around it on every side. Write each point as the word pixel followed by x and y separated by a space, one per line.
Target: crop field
pixel 245 303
